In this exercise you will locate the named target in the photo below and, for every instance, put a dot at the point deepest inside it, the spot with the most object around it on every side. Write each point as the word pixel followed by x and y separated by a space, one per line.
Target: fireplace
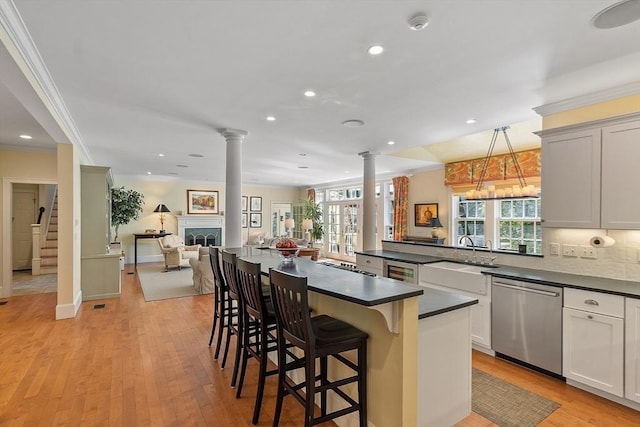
pixel 206 230
pixel 205 236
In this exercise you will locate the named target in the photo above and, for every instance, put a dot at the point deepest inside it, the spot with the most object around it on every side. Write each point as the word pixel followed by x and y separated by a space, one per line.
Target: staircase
pixel 49 251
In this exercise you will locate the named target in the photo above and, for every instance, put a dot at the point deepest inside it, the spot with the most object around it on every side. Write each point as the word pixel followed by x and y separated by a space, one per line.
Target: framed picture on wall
pixel 244 220
pixel 256 203
pixel 245 202
pixel 255 220
pixel 202 202
pixel 424 213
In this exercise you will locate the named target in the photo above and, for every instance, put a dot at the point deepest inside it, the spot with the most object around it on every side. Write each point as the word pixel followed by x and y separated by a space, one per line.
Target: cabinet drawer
pixel 364 262
pixel 595 302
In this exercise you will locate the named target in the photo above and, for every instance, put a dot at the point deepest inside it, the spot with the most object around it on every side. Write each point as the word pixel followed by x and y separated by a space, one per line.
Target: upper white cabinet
pixel 588 175
pixel 620 204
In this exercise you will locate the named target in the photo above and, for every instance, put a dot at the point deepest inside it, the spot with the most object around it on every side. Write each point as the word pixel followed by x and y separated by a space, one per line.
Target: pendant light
pixel 518 191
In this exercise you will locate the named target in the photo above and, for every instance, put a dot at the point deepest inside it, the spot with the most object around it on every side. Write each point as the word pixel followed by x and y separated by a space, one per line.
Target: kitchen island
pixel 419 349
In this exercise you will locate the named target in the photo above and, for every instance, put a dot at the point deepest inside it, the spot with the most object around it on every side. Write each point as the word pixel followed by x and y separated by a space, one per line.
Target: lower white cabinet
pixel 370 264
pixel 632 349
pixel 593 343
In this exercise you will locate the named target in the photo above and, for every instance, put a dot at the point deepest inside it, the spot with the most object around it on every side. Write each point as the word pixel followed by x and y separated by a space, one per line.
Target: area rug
pixel 158 285
pixel 508 405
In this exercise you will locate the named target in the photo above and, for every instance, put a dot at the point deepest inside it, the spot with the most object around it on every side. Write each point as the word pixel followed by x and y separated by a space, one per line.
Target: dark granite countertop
pixel 401 256
pixel 591 283
pixel 434 302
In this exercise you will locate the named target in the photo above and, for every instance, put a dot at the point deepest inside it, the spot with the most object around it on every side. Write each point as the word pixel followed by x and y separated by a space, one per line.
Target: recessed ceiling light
pixel 271 119
pixel 148 173
pixel 26 137
pixel 303 167
pixel 182 166
pixel 353 123
pixel 309 93
pixel 470 121
pixel 391 142
pixel 161 155
pixel 376 49
pixel 617 15
pixel 196 155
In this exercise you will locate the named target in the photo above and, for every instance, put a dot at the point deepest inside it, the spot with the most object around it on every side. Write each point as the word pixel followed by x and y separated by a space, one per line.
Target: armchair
pixel 175 252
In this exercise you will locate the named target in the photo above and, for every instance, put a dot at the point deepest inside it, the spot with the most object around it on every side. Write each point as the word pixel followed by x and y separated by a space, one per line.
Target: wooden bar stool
pixel 236 328
pixel 260 325
pixel 318 337
pixel 224 313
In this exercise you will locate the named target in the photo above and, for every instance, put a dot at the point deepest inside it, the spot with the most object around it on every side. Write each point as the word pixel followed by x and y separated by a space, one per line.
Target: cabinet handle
pixel 591 302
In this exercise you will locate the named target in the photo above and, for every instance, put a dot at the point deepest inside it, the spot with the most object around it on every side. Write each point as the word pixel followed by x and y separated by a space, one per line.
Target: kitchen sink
pixel 465 277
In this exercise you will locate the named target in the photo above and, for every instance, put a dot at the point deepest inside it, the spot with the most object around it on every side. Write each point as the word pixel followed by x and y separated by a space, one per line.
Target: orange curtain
pixel 401 201
pixel 311 193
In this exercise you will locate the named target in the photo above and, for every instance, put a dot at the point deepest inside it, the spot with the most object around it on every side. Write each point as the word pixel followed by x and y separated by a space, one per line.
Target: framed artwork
pixel 244 220
pixel 202 202
pixel 244 203
pixel 255 220
pixel 424 213
pixel 256 204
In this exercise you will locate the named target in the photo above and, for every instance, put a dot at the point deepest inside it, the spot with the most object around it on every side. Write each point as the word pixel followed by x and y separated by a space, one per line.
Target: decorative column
pixel 233 187
pixel 369 201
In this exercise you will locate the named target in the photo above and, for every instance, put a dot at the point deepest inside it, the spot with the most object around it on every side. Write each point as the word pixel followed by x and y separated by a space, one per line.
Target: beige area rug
pixel 158 285
pixel 23 283
pixel 508 405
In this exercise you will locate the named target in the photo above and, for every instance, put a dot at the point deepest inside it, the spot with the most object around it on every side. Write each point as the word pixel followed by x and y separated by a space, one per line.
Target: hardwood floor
pixel 135 363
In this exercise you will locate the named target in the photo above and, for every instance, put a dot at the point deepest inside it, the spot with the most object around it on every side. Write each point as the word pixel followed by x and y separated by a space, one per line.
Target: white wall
pixel 174 195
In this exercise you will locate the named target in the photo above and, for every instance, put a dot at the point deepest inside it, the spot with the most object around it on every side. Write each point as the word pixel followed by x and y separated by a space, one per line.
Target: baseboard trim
pixel 69 311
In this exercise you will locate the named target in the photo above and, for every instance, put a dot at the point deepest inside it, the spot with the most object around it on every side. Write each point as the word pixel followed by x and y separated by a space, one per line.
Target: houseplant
pixel 126 205
pixel 313 211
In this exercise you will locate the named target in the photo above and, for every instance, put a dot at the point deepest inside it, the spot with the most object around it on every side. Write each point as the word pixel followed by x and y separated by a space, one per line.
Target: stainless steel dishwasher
pixel 526 323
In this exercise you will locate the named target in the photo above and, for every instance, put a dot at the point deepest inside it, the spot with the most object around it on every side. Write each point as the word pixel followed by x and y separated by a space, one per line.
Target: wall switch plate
pixel 588 252
pixel 554 249
pixel 570 250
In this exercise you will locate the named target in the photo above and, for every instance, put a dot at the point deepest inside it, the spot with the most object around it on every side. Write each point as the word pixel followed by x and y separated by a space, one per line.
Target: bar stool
pixel 223 310
pixel 236 328
pixel 318 337
pixel 260 325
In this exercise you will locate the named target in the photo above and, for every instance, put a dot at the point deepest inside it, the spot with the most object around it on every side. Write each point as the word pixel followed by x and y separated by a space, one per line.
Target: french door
pixel 343 230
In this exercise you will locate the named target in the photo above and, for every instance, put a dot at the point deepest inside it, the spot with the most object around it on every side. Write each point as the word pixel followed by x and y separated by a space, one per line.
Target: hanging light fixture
pixel 517 191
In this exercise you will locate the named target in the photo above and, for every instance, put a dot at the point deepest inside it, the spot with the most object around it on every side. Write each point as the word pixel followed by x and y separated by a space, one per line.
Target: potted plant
pixel 313 212
pixel 126 205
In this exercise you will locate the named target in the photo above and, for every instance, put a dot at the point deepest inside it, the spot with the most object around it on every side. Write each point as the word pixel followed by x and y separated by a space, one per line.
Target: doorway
pixel 23 213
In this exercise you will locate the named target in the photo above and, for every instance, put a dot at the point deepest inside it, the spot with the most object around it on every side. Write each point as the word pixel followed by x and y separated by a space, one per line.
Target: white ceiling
pixel 141 78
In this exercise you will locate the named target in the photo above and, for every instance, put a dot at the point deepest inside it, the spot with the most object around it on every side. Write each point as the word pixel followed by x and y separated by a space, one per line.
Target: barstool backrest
pixel 231 274
pixel 250 284
pixel 214 259
pixel 291 303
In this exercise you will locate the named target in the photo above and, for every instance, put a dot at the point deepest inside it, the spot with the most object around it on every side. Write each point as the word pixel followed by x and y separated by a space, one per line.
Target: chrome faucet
pixel 473 245
pixel 492 258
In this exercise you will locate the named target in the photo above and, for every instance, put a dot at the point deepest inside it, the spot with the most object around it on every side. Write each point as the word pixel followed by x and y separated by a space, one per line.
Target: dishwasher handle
pixel 523 289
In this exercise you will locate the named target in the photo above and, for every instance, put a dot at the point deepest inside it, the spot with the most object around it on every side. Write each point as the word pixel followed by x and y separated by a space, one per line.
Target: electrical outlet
pixel 588 252
pixel 570 250
pixel 554 249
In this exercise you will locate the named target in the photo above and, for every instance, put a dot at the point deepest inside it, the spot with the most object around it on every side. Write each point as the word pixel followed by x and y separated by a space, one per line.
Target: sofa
pixel 202 272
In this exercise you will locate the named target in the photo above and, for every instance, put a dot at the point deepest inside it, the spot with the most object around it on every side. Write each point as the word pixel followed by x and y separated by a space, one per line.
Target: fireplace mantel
pixel 200 221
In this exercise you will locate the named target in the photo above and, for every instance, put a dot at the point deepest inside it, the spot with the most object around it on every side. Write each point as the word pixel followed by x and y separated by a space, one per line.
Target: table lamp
pixel 307 225
pixel 161 209
pixel 289 223
pixel 435 223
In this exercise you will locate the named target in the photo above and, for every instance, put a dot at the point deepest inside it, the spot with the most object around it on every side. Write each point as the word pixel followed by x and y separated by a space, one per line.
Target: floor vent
pixel 130 272
pixel 3 302
pixel 99 306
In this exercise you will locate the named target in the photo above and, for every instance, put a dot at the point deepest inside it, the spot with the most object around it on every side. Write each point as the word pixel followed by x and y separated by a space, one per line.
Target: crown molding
pixel 632 88
pixel 20 44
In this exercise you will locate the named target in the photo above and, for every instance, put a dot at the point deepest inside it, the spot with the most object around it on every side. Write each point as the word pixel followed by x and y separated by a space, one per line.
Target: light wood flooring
pixel 135 363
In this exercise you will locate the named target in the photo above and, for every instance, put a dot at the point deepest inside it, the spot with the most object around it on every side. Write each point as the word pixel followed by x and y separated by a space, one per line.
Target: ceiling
pixel 140 78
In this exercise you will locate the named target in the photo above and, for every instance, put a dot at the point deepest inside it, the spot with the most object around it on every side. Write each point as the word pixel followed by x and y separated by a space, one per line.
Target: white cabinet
pixel 632 349
pixel 370 264
pixel 620 163
pixel 587 175
pixel 593 340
